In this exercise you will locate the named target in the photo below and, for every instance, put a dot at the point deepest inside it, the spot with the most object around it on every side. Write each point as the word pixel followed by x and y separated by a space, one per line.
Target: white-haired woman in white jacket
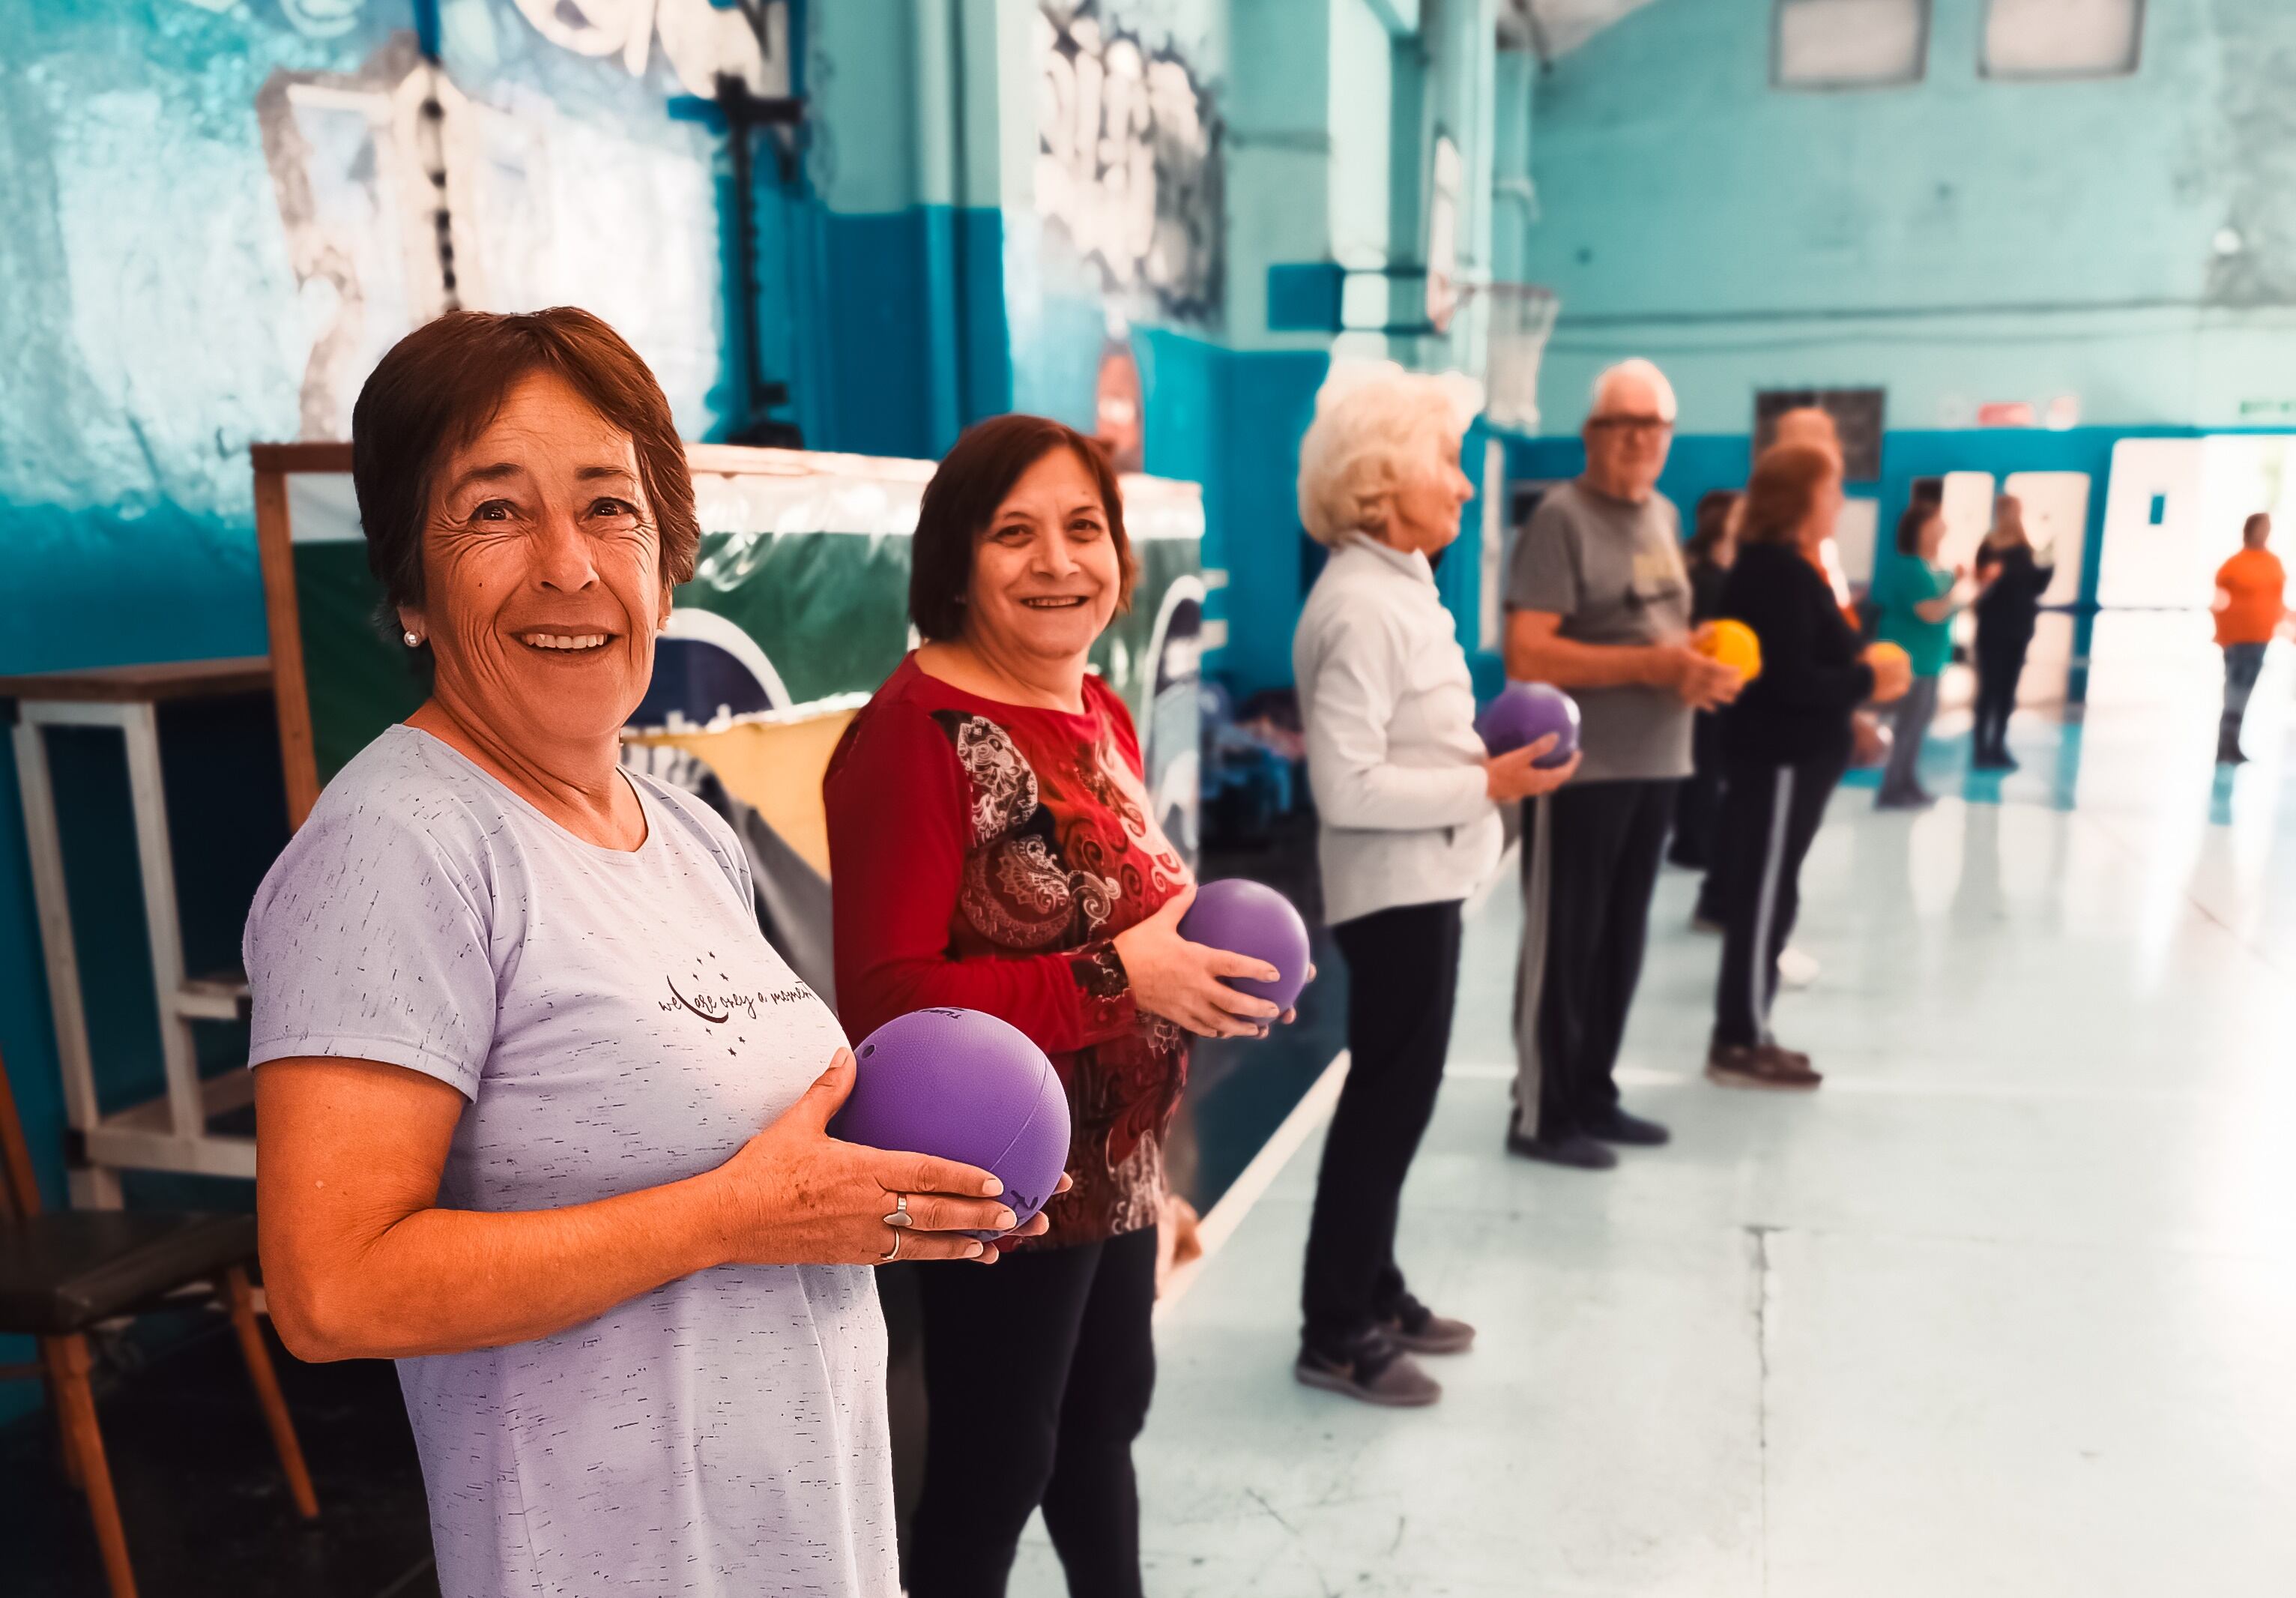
pixel 1409 804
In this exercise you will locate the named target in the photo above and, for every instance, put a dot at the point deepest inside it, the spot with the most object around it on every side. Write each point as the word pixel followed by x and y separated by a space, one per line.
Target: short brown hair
pixel 442 384
pixel 1711 523
pixel 972 482
pixel 1782 489
pixel 1915 517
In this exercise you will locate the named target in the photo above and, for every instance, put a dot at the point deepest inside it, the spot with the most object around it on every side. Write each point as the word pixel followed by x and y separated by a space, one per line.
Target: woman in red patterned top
pixel 992 846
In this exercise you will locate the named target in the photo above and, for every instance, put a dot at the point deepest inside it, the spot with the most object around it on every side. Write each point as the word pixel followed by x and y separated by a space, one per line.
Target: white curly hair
pixel 1376 427
pixel 1635 369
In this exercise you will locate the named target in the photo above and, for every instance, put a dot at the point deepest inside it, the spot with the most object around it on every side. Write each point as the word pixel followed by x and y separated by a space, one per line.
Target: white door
pixel 2151 526
pixel 1854 531
pixel 1967 506
pixel 2173 509
pixel 2057 519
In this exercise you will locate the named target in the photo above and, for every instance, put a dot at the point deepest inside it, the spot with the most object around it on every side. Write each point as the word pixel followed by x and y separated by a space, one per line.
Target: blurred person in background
pixel 2011 579
pixel 1813 426
pixel 2251 602
pixel 1786 740
pixel 1919 620
pixel 1713 546
pixel 1598 604
pixel 1409 802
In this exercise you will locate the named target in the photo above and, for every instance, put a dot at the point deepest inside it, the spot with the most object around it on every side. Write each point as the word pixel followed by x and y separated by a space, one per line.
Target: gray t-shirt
pixel 617 1021
pixel 1613 571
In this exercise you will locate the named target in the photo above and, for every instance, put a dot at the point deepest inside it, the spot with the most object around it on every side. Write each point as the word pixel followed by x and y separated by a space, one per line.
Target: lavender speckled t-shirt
pixel 617 1021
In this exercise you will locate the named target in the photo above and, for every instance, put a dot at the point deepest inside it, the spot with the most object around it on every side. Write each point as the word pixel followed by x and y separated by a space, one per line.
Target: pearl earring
pixel 413 639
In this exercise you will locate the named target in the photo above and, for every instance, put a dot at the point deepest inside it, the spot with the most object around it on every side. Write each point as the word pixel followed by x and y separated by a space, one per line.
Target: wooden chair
pixel 61 1273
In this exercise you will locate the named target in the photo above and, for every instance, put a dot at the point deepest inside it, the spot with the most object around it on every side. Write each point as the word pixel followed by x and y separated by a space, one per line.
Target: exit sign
pixel 2268 410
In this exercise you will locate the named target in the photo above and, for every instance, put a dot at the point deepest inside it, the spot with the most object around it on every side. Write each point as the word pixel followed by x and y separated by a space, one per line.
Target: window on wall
pixel 1848 44
pixel 2061 38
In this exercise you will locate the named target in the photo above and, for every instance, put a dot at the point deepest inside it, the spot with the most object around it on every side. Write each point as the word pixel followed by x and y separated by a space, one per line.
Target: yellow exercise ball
pixel 1733 645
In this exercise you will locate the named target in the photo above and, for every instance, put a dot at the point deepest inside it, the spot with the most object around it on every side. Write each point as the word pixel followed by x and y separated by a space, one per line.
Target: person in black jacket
pixel 1785 742
pixel 1697 807
pixel 2012 580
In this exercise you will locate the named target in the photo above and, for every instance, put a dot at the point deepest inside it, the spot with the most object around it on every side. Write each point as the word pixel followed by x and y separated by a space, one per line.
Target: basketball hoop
pixel 1522 316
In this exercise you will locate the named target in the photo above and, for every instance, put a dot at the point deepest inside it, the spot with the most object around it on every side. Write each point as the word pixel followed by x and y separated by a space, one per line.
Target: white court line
pixel 1838 1084
pixel 1314 1108
pixel 1507 870
pixel 1475 1071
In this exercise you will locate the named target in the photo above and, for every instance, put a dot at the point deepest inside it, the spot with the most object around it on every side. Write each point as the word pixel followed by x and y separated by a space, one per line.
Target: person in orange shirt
pixel 2251 601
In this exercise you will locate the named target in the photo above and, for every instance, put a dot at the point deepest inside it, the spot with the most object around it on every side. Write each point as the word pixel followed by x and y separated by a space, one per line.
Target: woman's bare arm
pixel 360 1262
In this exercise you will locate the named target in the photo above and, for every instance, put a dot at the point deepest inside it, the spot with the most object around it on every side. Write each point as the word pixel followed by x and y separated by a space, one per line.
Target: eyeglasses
pixel 1643 426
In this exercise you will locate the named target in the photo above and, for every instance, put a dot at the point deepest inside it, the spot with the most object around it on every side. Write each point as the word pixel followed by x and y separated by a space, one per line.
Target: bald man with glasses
pixel 1598 604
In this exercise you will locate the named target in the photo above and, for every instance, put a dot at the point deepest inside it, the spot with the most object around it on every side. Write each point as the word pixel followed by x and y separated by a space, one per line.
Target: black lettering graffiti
pixel 1128 160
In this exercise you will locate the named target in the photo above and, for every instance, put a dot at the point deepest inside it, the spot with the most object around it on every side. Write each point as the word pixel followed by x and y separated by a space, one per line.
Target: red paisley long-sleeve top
pixel 984 855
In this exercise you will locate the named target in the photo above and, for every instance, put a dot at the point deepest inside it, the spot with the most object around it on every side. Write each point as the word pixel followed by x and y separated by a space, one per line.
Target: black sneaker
pixel 1378 1373
pixel 1414 1328
pixel 1576 1150
pixel 1760 1066
pixel 1616 1126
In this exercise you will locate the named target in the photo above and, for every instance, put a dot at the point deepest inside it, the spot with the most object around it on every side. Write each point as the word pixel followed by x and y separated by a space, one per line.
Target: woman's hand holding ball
pixel 1517 775
pixel 795 1195
pixel 1182 981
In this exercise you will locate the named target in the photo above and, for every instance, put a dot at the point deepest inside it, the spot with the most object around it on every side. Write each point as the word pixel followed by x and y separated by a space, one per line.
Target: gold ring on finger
pixel 900 1218
pixel 894 1253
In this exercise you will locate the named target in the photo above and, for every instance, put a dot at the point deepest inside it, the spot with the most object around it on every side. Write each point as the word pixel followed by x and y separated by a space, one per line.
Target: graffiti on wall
pixel 401 196
pixel 701 41
pixel 358 221
pixel 1128 160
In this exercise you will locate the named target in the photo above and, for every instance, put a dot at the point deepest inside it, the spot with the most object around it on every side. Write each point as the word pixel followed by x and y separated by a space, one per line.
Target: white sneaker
pixel 1796 970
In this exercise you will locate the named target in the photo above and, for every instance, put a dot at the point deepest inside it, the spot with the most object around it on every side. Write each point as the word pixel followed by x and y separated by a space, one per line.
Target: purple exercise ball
pixel 1251 918
pixel 1525 713
pixel 959 1084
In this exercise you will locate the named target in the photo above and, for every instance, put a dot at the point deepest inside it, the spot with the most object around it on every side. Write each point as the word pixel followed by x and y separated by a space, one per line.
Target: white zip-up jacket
pixel 1393 758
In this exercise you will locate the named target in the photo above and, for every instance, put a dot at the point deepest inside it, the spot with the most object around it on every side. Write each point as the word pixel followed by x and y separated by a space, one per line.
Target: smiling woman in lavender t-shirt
pixel 542 1116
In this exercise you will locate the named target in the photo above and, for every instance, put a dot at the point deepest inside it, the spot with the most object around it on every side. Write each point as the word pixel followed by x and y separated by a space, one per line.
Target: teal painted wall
pixel 1961 239
pixel 1958 241
pixel 883 289
pixel 1329 109
pixel 144 286
pixel 155 328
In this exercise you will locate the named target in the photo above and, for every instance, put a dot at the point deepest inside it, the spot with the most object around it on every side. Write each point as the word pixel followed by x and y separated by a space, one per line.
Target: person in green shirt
pixel 1919 620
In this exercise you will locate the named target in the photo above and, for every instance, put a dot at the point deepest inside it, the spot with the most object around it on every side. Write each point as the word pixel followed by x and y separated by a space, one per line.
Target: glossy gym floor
pixel 2009 1306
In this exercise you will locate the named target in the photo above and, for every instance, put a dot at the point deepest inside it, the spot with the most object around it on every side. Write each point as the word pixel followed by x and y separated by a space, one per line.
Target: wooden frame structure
pixel 274 543
pixel 169 1132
